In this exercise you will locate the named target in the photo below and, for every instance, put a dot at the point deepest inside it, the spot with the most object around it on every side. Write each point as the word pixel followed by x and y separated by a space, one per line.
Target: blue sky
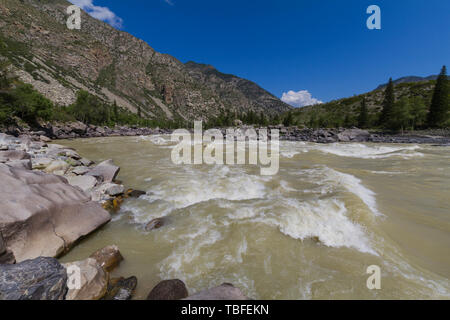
pixel 317 47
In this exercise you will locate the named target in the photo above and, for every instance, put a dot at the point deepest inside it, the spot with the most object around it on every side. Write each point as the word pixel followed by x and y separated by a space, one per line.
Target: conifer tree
pixel 388 103
pixel 363 118
pixel 439 109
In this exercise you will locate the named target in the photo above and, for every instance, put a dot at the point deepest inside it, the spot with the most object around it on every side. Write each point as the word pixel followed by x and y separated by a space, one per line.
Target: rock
pixel 121 288
pixel 41 163
pixel 85 183
pixel 20 164
pixel 57 165
pixel 108 258
pixel 111 189
pixel 154 224
pixel 225 291
pixel 94 281
pixel 45 139
pixel 38 279
pixel 42 215
pixel 6 256
pixel 81 170
pixel 14 155
pixel 105 170
pixel 86 162
pixel 3 147
pixel 2 244
pixel 356 135
pixel 169 290
pixel 135 193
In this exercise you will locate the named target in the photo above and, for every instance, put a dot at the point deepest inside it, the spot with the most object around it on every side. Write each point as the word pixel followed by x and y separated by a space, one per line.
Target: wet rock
pixel 108 258
pixel 135 193
pixel 38 279
pixel 225 291
pixel 113 189
pixel 94 280
pixel 105 170
pixel 154 224
pixel 85 183
pixel 6 256
pixel 169 290
pixel 121 288
pixel 42 215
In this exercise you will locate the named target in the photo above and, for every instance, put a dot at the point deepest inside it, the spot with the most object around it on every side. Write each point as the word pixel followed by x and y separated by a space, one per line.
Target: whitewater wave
pixel 357 150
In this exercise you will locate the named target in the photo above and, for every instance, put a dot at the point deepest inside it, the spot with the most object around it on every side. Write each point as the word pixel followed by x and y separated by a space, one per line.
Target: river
pixel 309 232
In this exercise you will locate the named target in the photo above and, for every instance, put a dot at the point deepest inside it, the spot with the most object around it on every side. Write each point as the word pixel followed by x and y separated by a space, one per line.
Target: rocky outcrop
pixel 38 279
pixel 42 215
pixel 225 291
pixel 93 280
pixel 169 290
pixel 105 171
pixel 108 258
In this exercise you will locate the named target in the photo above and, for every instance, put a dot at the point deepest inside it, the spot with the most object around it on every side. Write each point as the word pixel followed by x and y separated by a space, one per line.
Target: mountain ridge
pixel 116 66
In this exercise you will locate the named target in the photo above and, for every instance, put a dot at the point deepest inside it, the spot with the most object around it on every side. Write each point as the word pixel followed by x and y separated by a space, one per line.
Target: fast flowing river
pixel 309 232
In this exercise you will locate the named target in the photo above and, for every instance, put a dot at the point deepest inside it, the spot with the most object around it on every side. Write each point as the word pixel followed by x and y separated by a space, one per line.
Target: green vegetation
pixel 418 105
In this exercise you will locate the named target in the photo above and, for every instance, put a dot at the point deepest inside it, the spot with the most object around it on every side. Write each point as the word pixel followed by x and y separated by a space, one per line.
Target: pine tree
pixel 400 115
pixel 388 103
pixel 439 109
pixel 418 111
pixel 139 112
pixel 363 118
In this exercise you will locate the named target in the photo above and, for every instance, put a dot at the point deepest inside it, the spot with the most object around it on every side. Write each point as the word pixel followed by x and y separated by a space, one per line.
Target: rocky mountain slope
pixel 409 79
pixel 116 66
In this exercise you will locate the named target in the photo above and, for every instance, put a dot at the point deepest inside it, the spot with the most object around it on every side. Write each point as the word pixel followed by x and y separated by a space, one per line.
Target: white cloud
pixel 299 99
pixel 100 13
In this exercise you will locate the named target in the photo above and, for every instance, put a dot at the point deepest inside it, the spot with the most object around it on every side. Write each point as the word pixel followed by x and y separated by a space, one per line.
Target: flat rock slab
pixel 42 215
pixel 38 279
pixel 85 183
pixel 106 171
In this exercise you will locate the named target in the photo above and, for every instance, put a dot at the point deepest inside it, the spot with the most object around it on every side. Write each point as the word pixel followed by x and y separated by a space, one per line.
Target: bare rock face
pixel 169 290
pixel 108 258
pixel 225 291
pixel 93 281
pixel 38 279
pixel 106 171
pixel 42 215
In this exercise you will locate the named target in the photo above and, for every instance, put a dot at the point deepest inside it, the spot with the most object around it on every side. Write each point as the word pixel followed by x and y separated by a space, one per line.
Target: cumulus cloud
pixel 299 99
pixel 98 12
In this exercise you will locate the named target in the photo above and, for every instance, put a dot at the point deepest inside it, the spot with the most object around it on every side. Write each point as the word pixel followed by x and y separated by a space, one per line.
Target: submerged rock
pixel 94 280
pixel 154 224
pixel 121 288
pixel 225 291
pixel 38 279
pixel 169 290
pixel 135 193
pixel 108 258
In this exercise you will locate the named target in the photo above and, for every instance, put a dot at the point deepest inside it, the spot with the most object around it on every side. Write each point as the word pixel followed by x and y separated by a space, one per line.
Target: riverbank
pixel 51 198
pixel 74 130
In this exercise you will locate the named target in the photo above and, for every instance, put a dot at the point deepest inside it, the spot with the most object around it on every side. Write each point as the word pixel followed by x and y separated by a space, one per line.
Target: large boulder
pixel 106 171
pixel 21 164
pixel 38 279
pixel 225 291
pixel 169 290
pixel 93 280
pixel 42 215
pixel 15 155
pixel 354 135
pixel 108 258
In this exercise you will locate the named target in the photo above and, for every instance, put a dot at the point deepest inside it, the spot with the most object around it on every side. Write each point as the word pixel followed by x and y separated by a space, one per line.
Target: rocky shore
pixel 75 130
pixel 51 197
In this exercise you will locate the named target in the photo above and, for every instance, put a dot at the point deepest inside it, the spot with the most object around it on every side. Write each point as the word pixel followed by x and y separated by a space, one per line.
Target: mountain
pixel 409 79
pixel 116 66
